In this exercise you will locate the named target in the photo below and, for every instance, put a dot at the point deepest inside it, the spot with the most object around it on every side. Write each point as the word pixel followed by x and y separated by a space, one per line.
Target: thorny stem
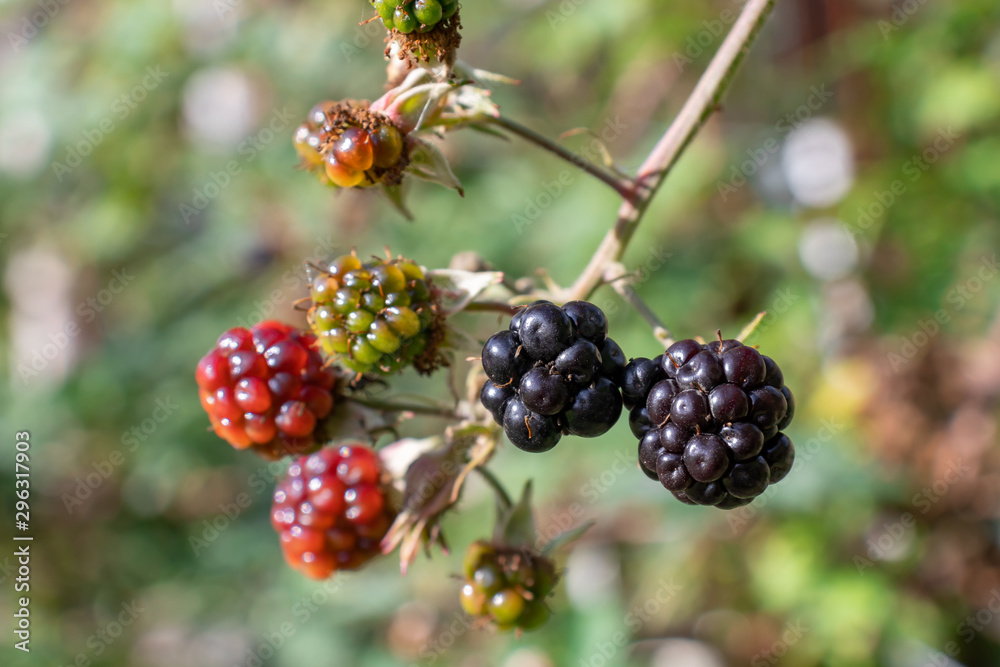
pixel 622 186
pixel 496 486
pixel 619 281
pixel 492 306
pixel 702 103
pixel 416 408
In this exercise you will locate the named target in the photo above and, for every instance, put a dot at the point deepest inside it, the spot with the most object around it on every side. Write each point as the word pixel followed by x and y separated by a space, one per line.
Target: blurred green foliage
pixel 778 584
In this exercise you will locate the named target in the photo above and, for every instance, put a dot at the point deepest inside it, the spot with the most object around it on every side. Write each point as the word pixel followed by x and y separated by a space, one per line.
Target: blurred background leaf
pixel 149 200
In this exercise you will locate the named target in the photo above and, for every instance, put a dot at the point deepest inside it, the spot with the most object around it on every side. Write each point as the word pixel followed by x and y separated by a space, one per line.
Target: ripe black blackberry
pixel 553 372
pixel 708 418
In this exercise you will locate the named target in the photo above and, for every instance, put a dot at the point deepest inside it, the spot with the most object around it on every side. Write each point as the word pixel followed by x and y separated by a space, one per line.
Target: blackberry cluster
pixel 266 388
pixel 554 371
pixel 408 16
pixel 709 419
pixel 376 316
pixel 507 586
pixel 351 146
pixel 331 510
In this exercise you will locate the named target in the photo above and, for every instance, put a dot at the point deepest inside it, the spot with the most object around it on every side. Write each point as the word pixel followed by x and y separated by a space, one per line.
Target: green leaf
pixel 429 163
pixel 458 288
pixel 394 193
pixel 571 535
pixel 516 526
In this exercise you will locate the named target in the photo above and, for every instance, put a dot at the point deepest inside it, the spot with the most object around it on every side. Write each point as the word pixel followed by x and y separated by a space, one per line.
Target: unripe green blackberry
pixel 507 586
pixel 410 15
pixel 422 28
pixel 376 316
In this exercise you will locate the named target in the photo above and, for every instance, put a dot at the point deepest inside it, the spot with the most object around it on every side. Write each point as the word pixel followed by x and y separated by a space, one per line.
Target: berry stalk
pixel 496 485
pixel 623 186
pixel 698 108
pixel 620 283
pixel 416 408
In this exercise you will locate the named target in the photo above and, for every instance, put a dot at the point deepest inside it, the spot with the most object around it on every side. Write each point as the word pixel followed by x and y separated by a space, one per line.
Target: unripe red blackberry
pixel 376 316
pixel 507 586
pixel 708 419
pixel 265 388
pixel 331 510
pixel 349 145
pixel 553 372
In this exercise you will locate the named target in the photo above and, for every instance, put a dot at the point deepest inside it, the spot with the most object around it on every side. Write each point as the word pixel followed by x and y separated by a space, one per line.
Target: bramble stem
pixel 702 103
pixel 619 281
pixel 496 486
pixel 492 307
pixel 622 186
pixel 416 408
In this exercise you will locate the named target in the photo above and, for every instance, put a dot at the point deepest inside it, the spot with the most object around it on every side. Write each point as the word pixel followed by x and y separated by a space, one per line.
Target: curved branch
pixel 702 103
